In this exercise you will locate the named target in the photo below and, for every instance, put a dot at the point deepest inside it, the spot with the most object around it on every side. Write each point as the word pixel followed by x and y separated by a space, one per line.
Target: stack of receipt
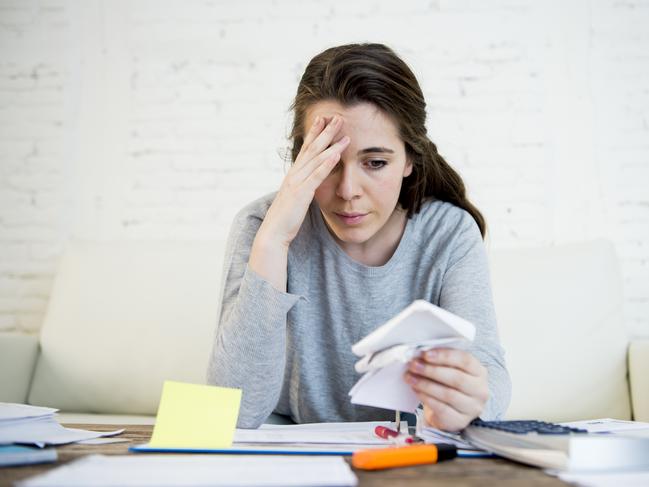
pixel 387 350
pixel 33 425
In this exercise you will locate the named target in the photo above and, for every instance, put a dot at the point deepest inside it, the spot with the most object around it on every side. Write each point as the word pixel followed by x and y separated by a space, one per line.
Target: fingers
pixel 314 130
pixel 451 377
pixel 442 416
pixel 322 169
pixel 458 359
pixel 452 384
pixel 449 408
pixel 333 151
pixel 319 139
pixel 453 398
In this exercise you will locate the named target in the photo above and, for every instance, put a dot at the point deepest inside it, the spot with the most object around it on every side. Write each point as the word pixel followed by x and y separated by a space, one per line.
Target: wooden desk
pixel 458 472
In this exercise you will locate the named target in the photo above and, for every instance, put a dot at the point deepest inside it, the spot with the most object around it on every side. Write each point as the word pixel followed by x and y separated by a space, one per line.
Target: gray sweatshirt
pixel 290 352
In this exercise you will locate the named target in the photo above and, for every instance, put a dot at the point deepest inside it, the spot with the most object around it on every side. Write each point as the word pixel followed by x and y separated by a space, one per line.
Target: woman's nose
pixel 349 186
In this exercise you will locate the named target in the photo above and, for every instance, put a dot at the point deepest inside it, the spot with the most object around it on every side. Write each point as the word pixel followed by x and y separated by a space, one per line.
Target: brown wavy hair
pixel 373 73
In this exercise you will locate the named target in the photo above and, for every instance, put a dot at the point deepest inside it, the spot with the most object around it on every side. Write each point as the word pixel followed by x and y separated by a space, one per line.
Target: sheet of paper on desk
pixel 14 411
pixel 20 423
pixel 197 471
pixel 103 441
pixel 353 433
pixel 609 425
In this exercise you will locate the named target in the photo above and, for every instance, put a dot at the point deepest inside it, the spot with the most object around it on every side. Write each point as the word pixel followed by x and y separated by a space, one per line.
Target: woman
pixel 368 218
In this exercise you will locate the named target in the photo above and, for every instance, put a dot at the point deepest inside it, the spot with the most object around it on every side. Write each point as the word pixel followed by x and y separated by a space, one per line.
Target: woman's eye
pixel 376 163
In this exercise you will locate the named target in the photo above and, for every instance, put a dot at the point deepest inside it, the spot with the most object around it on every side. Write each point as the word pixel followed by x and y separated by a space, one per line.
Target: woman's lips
pixel 351 218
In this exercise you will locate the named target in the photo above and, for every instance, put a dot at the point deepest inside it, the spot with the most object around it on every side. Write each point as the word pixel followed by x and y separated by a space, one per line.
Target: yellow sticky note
pixel 196 416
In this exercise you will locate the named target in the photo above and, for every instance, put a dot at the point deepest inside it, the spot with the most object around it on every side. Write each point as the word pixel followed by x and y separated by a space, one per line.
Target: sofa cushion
pixel 18 354
pixel 561 323
pixel 124 317
pixel 639 379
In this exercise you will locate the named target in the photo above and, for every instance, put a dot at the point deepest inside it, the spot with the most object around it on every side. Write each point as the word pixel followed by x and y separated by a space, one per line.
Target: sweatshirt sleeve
pixel 466 291
pixel 249 350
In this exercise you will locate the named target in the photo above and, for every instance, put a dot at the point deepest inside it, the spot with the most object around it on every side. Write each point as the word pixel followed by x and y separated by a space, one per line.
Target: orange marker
pixel 402 456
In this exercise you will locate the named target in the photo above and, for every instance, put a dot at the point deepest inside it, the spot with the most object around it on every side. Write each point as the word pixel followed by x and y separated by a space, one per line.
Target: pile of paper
pixel 349 433
pixel 324 437
pixel 387 350
pixel 20 423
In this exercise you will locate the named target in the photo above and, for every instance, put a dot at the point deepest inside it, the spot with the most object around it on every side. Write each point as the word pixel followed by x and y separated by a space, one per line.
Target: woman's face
pixel 359 197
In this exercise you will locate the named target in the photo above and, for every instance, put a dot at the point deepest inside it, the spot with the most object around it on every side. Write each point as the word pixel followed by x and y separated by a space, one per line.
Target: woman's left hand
pixel 452 386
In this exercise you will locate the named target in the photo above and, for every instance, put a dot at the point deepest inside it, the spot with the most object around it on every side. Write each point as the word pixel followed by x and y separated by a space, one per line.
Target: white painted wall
pixel 158 120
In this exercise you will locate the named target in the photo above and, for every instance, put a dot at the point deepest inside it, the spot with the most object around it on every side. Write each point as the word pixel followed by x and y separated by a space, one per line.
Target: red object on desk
pixel 385 432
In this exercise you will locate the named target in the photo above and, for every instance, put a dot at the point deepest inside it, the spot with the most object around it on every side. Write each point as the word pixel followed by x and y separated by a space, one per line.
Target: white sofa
pixel 123 317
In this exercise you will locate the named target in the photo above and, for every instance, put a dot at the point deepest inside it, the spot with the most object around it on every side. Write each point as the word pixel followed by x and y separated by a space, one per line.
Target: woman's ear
pixel 407 170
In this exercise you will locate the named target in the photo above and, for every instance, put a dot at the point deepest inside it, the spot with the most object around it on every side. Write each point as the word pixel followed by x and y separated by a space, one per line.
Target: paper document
pixel 13 411
pixel 358 433
pixel 387 350
pixel 608 425
pixel 298 439
pixel 196 416
pixel 103 441
pixel 21 423
pixel 197 471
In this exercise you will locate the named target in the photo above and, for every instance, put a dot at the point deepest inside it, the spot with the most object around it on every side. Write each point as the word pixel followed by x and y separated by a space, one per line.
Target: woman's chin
pixel 352 235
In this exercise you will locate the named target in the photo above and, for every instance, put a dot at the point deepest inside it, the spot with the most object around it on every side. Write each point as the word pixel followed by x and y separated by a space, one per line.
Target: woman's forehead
pixel 359 117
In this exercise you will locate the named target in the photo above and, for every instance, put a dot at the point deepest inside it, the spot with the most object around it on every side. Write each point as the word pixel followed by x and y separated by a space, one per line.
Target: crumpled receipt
pixel 387 350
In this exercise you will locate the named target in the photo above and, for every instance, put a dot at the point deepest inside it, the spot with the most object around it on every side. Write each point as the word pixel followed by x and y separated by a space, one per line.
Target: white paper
pixel 358 433
pixel 46 431
pixel 386 388
pixel 103 441
pixel 13 411
pixel 608 425
pixel 400 353
pixel 387 350
pixel 419 322
pixel 198 471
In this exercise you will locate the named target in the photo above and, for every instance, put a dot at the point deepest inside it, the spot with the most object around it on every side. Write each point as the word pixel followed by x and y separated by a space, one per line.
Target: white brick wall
pixel 145 120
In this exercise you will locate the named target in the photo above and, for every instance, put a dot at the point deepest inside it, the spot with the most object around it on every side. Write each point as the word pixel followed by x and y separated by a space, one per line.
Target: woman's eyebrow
pixel 374 149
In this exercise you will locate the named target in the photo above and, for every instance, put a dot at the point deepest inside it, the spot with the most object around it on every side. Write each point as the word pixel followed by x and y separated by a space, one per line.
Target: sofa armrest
pixel 18 354
pixel 639 378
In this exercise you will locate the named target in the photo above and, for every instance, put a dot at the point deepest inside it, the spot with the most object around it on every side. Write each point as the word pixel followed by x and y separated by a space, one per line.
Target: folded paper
pixel 387 350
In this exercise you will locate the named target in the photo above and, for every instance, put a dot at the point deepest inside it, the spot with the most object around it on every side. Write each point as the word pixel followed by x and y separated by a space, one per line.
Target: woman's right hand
pixel 318 156
pixel 320 152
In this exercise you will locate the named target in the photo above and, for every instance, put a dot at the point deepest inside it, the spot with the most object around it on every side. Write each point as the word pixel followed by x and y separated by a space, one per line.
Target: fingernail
pixel 344 140
pixel 417 366
pixel 317 120
pixel 431 354
pixel 411 379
